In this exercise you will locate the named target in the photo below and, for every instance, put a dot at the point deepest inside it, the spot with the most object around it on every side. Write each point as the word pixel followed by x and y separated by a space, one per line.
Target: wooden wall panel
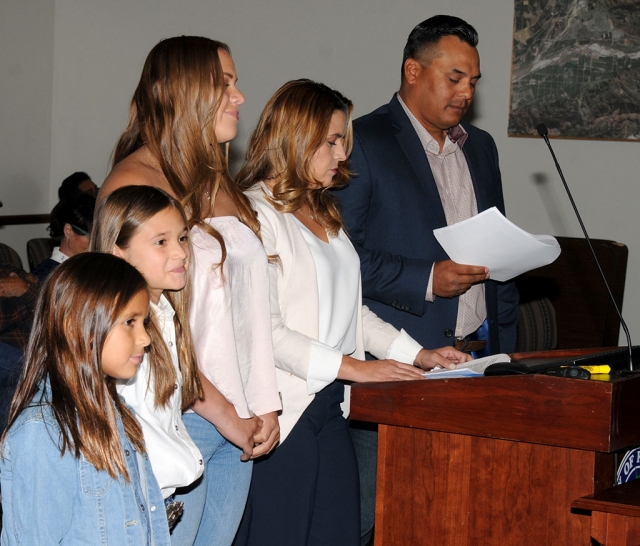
pixel 496 492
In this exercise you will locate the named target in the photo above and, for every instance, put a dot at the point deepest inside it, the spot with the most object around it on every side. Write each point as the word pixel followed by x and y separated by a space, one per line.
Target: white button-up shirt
pixel 175 459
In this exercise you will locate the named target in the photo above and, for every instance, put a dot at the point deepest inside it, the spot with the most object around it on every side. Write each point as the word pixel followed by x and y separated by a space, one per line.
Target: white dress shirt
pixel 175 459
pixel 455 186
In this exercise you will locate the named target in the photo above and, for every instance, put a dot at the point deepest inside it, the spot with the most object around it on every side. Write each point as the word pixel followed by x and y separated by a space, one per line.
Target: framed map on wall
pixel 576 68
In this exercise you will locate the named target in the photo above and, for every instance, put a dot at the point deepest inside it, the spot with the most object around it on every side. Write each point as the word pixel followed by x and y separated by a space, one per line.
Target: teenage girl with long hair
pixel 184 108
pixel 74 468
pixel 148 228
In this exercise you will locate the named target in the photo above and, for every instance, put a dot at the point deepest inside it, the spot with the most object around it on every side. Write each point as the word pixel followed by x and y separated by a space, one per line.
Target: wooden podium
pixel 494 460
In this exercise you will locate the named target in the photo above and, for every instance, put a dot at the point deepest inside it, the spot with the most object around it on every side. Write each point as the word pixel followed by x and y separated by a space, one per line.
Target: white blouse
pixel 295 312
pixel 338 276
pixel 230 317
pixel 175 459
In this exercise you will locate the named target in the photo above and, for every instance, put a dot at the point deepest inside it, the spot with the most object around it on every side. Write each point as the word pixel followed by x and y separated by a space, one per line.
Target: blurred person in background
pixel 71 221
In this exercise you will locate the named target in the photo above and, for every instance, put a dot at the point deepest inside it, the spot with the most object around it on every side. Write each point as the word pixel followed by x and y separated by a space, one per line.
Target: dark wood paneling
pixel 615 530
pixel 21 219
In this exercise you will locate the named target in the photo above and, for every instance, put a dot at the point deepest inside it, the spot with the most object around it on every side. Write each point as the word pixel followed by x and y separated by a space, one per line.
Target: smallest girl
pixel 74 468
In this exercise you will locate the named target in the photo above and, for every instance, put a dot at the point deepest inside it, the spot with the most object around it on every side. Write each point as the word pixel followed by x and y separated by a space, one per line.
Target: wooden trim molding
pixel 21 219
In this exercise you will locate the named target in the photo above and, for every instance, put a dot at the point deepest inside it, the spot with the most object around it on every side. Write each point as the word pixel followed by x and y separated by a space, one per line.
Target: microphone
pixel 544 133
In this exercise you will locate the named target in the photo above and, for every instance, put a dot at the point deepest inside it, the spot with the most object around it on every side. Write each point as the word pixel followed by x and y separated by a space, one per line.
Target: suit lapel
pixel 412 149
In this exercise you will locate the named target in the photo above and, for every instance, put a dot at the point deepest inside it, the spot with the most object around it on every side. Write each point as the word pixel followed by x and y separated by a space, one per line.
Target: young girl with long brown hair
pixel 148 228
pixel 74 468
pixel 184 108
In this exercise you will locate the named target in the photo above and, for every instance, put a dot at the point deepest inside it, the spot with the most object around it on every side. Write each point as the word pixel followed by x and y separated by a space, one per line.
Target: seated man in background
pixel 71 221
pixel 78 182
pixel 18 291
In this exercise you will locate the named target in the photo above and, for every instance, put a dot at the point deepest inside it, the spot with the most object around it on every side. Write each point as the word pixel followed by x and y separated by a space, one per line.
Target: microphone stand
pixel 544 133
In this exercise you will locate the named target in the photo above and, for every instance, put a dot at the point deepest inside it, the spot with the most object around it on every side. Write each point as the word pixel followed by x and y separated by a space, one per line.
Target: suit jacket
pixel 391 208
pixel 295 310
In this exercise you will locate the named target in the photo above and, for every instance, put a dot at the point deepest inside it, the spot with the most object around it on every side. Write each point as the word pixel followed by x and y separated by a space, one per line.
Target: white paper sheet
pixel 473 368
pixel 489 239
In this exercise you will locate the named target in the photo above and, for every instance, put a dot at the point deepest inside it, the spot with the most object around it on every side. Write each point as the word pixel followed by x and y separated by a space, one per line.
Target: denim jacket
pixel 52 499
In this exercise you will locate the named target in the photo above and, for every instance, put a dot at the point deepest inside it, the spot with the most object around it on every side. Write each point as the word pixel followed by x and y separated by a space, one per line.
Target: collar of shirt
pixel 163 309
pixel 164 313
pixel 455 135
pixel 58 256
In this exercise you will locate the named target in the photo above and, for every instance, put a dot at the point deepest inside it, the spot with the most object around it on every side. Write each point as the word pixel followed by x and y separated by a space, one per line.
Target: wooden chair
pixel 9 255
pixel 39 250
pixel 572 284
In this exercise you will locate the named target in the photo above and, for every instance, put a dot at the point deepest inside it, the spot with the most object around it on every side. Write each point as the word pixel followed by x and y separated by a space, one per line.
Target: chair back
pixel 39 250
pixel 584 312
pixel 537 326
pixel 9 255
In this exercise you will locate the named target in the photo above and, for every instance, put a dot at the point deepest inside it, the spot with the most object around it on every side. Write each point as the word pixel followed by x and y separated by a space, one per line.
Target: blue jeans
pixel 10 365
pixel 11 361
pixel 214 504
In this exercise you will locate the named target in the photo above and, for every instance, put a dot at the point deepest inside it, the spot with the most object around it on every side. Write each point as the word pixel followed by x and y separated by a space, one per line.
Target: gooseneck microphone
pixel 544 133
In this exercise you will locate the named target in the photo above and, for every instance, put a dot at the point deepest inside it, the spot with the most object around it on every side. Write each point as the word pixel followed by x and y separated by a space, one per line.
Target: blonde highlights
pixel 292 127
pixel 173 114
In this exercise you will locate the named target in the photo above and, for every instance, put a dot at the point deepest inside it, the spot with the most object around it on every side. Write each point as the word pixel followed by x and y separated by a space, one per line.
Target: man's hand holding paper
pixel 452 279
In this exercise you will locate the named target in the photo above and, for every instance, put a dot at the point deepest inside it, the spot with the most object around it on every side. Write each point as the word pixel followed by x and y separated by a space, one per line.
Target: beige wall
pixel 26 85
pixel 356 46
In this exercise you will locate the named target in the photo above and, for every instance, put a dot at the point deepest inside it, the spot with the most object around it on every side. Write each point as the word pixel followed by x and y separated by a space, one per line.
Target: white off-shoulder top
pixel 230 316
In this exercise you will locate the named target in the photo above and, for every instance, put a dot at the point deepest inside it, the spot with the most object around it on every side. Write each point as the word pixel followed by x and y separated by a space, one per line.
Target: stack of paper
pixel 474 368
pixel 489 239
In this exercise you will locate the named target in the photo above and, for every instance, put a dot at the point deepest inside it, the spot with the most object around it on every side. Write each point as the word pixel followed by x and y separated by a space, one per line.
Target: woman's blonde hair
pixel 78 306
pixel 118 219
pixel 173 114
pixel 292 127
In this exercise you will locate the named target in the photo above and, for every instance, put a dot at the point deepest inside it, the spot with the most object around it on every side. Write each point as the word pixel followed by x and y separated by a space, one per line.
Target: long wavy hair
pixel 77 307
pixel 118 219
pixel 292 127
pixel 173 114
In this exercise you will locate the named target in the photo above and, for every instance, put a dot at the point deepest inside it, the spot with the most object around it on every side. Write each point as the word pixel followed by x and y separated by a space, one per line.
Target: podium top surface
pixel 542 409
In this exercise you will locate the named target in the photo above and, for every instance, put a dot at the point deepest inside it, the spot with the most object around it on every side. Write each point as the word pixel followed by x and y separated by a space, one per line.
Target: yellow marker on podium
pixel 602 368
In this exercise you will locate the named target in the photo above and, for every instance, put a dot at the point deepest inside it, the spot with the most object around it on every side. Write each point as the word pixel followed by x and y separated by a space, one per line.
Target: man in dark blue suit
pixel 418 167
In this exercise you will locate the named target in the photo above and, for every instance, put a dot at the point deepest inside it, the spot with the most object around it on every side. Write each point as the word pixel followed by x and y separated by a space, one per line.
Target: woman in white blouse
pixel 306 491
pixel 185 107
